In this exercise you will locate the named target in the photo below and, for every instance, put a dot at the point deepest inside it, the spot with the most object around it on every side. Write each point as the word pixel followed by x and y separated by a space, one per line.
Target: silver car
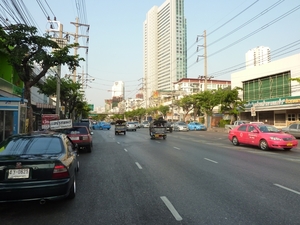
pixel 131 126
pixel 180 126
pixel 293 129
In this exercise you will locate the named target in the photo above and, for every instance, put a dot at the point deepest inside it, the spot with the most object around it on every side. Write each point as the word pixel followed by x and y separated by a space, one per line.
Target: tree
pixel 24 48
pixel 164 109
pixel 186 103
pixel 231 102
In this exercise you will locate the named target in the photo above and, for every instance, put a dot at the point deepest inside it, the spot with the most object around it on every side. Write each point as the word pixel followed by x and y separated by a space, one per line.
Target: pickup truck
pixel 235 124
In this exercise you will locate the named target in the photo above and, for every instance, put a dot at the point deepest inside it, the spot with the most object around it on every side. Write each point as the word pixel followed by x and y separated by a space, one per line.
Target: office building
pixel 165 47
pixel 118 89
pixel 258 56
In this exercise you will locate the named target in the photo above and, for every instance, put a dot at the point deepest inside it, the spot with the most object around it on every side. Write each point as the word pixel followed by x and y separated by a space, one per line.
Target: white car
pixel 181 126
pixel 145 124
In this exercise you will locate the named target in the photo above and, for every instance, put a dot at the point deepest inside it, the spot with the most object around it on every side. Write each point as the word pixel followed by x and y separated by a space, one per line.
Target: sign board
pixel 253 112
pixel 60 124
pixel 46 118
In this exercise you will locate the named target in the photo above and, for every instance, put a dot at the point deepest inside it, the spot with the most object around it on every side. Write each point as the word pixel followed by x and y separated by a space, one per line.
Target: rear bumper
pixel 28 191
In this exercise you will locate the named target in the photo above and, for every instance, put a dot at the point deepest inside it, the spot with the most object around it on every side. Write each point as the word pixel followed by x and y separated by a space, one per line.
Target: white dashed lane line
pixel 171 208
pixel 288 189
pixel 210 160
pixel 176 148
pixel 138 165
pixel 125 150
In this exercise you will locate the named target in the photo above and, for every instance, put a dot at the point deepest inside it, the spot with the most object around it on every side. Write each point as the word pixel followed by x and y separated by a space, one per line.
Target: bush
pixel 222 123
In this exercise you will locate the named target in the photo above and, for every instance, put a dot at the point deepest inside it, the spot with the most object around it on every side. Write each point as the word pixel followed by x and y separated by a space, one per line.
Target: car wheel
pixel 287 149
pixel 89 148
pixel 124 133
pixel 235 141
pixel 72 192
pixel 263 145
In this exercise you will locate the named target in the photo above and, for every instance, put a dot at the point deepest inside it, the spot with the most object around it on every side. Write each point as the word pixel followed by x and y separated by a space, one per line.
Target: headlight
pixel 275 138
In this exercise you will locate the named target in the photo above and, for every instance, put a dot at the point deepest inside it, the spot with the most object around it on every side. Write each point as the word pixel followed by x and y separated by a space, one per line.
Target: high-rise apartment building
pixel 165 47
pixel 258 56
pixel 118 89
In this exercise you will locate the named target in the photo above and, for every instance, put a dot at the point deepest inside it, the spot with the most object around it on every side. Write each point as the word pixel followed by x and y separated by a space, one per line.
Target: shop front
pixel 279 112
pixel 12 116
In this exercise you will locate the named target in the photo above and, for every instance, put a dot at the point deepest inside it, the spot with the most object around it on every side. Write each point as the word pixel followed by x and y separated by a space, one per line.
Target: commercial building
pixel 272 97
pixel 165 47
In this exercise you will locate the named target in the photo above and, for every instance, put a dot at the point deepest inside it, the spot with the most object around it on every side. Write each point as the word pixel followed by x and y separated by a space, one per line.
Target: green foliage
pixel 222 123
pixel 24 48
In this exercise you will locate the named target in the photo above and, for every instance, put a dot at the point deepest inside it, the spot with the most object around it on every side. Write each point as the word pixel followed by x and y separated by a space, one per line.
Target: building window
pixel 291 117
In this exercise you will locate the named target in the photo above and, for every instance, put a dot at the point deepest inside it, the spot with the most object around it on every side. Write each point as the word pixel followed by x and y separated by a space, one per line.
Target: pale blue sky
pixel 116 36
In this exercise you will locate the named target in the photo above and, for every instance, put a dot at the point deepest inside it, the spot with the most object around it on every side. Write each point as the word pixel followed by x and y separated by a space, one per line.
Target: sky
pixel 115 48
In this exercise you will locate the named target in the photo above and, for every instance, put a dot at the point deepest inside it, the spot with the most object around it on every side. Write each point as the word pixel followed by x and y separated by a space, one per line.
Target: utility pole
pixel 76 36
pixel 57 27
pixel 205 61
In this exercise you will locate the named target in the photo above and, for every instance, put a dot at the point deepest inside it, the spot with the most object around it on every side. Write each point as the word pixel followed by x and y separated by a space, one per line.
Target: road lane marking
pixel 210 160
pixel 176 148
pixel 157 141
pixel 138 165
pixel 288 189
pixel 171 208
pixel 125 150
pixel 118 143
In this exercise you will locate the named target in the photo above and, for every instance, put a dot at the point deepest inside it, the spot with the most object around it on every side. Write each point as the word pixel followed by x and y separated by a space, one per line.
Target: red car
pixel 81 136
pixel 262 135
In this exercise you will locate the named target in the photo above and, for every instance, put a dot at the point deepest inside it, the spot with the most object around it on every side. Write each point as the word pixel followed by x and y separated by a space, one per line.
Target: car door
pixel 242 134
pixel 294 130
pixel 252 135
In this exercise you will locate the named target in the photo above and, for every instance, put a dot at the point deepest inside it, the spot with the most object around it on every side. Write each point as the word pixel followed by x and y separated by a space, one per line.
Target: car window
pixel 242 128
pixel 251 128
pixel 31 145
pixel 181 123
pixel 76 130
pixel 268 129
pixel 293 126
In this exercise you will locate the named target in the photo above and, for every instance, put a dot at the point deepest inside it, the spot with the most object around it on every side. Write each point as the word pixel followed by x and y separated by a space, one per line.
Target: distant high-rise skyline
pixel 258 56
pixel 165 47
pixel 118 89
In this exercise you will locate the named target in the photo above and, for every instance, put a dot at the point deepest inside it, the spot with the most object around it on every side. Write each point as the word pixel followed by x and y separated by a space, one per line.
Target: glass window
pixel 293 126
pixel 291 117
pixel 27 145
pixel 242 128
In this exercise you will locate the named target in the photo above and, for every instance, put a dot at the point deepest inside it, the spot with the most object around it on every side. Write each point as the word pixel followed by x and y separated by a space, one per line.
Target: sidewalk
pixel 218 129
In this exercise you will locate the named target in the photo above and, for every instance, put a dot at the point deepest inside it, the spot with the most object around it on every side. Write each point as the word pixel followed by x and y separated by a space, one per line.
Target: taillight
pixel 85 137
pixel 60 171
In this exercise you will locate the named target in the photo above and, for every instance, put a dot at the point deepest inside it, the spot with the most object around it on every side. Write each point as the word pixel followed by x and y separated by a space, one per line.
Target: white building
pixel 118 89
pixel 269 91
pixel 165 47
pixel 258 56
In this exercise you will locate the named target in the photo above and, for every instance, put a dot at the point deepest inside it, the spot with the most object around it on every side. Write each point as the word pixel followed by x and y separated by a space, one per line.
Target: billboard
pixel 46 118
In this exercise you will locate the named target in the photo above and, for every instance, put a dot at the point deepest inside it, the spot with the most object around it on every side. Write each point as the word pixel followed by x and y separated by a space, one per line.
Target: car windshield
pixel 268 129
pixel 76 130
pixel 31 146
pixel 181 123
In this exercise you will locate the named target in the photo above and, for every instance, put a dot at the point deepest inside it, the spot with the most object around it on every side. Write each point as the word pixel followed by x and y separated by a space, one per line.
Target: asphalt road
pixel 189 178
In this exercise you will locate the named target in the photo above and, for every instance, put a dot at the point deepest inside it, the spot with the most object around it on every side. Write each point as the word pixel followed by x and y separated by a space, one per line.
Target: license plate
pixel 156 135
pixel 289 144
pixel 74 138
pixel 18 173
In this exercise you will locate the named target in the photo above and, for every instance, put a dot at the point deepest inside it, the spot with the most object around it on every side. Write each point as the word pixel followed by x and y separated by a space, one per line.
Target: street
pixel 194 177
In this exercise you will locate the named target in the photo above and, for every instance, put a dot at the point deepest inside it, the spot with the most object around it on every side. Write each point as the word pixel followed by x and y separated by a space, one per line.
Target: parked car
pixel 138 125
pixel 262 135
pixel 131 126
pixel 38 166
pixel 88 125
pixel 80 136
pixel 180 126
pixel 196 126
pixel 145 124
pixel 293 129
